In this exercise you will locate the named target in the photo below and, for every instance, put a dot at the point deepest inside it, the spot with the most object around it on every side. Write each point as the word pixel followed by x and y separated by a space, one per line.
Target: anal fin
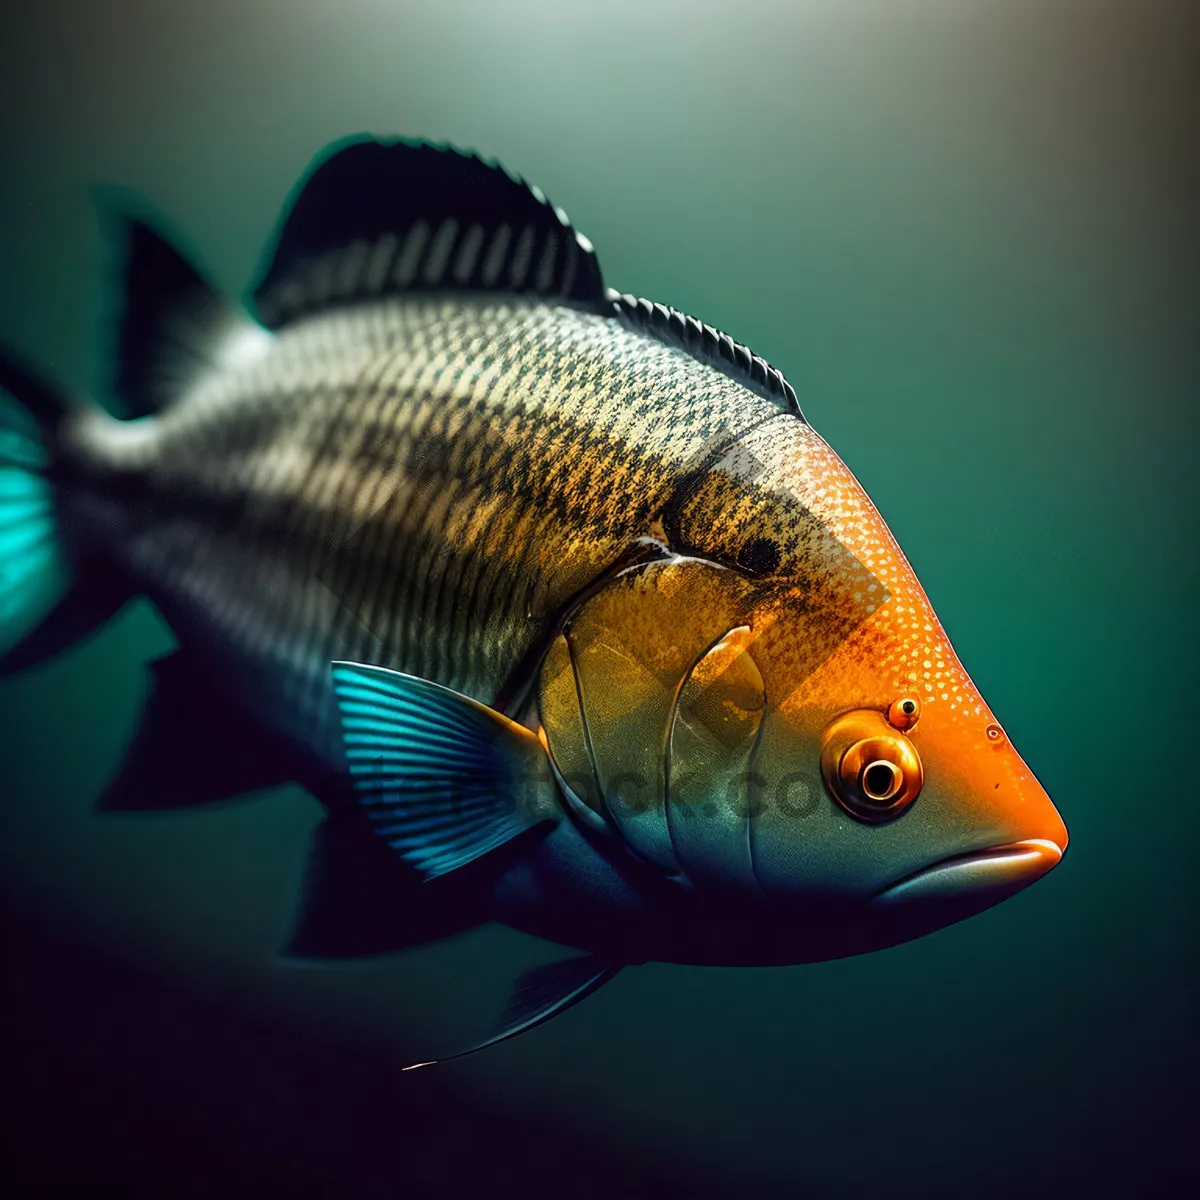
pixel 194 746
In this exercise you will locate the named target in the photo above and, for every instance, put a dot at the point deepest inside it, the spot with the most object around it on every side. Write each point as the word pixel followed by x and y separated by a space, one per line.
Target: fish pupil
pixel 760 556
pixel 877 780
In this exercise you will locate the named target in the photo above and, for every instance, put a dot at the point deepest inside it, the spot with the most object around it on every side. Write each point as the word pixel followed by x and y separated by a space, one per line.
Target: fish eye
pixel 880 780
pixel 759 556
pixel 871 770
pixel 904 713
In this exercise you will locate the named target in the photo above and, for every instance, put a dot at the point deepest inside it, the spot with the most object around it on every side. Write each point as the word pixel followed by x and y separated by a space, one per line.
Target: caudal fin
pixel 34 570
pixel 174 329
pixel 49 598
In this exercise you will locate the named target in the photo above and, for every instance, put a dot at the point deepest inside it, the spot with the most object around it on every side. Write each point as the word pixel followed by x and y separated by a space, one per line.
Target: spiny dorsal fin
pixel 379 218
pixel 707 345
pixel 376 218
pixel 174 326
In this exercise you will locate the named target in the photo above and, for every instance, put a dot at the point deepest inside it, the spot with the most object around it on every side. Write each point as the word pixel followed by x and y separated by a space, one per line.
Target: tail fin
pixel 174 328
pixel 43 606
pixel 34 572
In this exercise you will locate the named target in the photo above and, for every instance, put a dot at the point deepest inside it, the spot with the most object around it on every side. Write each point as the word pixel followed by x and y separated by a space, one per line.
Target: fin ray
pixel 707 345
pixel 35 570
pixel 375 218
pixel 444 779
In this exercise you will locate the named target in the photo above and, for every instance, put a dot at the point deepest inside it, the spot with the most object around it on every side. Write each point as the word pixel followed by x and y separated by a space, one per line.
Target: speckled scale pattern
pixel 707 344
pixel 835 550
pixel 421 484
pixel 877 636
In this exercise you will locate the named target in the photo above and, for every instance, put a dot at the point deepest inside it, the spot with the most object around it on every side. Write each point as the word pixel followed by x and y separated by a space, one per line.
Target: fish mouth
pixel 996 871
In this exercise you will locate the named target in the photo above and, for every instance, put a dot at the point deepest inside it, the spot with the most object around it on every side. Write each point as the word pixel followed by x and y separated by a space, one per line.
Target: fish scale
pixel 539 410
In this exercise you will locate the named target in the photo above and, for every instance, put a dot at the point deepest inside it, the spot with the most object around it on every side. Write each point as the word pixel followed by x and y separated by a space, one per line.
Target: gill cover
pixel 651 704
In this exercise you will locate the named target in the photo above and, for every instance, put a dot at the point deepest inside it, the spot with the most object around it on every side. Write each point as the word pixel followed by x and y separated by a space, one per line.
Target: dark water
pixel 960 230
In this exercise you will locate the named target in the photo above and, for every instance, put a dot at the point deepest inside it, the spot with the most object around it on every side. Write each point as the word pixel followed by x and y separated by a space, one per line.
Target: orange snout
pixel 1011 832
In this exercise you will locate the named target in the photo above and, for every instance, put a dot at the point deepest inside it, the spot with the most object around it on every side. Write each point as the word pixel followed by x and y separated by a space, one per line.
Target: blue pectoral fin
pixel 539 995
pixel 444 779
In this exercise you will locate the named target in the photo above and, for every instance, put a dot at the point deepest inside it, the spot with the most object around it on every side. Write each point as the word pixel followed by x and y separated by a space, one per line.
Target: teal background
pixel 962 230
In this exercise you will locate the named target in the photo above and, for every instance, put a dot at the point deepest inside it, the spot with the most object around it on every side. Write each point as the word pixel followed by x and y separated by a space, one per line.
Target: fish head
pixel 775 715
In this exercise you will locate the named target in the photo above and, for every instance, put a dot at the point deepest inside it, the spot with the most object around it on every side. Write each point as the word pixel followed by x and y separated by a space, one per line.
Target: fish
pixel 549 595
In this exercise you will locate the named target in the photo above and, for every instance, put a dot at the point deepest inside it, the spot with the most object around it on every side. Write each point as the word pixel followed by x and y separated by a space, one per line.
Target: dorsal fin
pixel 174 325
pixel 376 218
pixel 707 345
pixel 380 218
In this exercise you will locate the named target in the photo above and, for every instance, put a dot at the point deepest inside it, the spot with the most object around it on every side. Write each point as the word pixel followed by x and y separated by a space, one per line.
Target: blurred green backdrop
pixel 962 230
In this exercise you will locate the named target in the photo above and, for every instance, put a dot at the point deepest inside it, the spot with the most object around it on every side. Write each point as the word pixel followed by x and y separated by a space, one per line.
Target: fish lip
pixel 1010 865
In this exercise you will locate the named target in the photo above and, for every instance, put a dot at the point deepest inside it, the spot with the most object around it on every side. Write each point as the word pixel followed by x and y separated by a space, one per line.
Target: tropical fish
pixel 550 595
